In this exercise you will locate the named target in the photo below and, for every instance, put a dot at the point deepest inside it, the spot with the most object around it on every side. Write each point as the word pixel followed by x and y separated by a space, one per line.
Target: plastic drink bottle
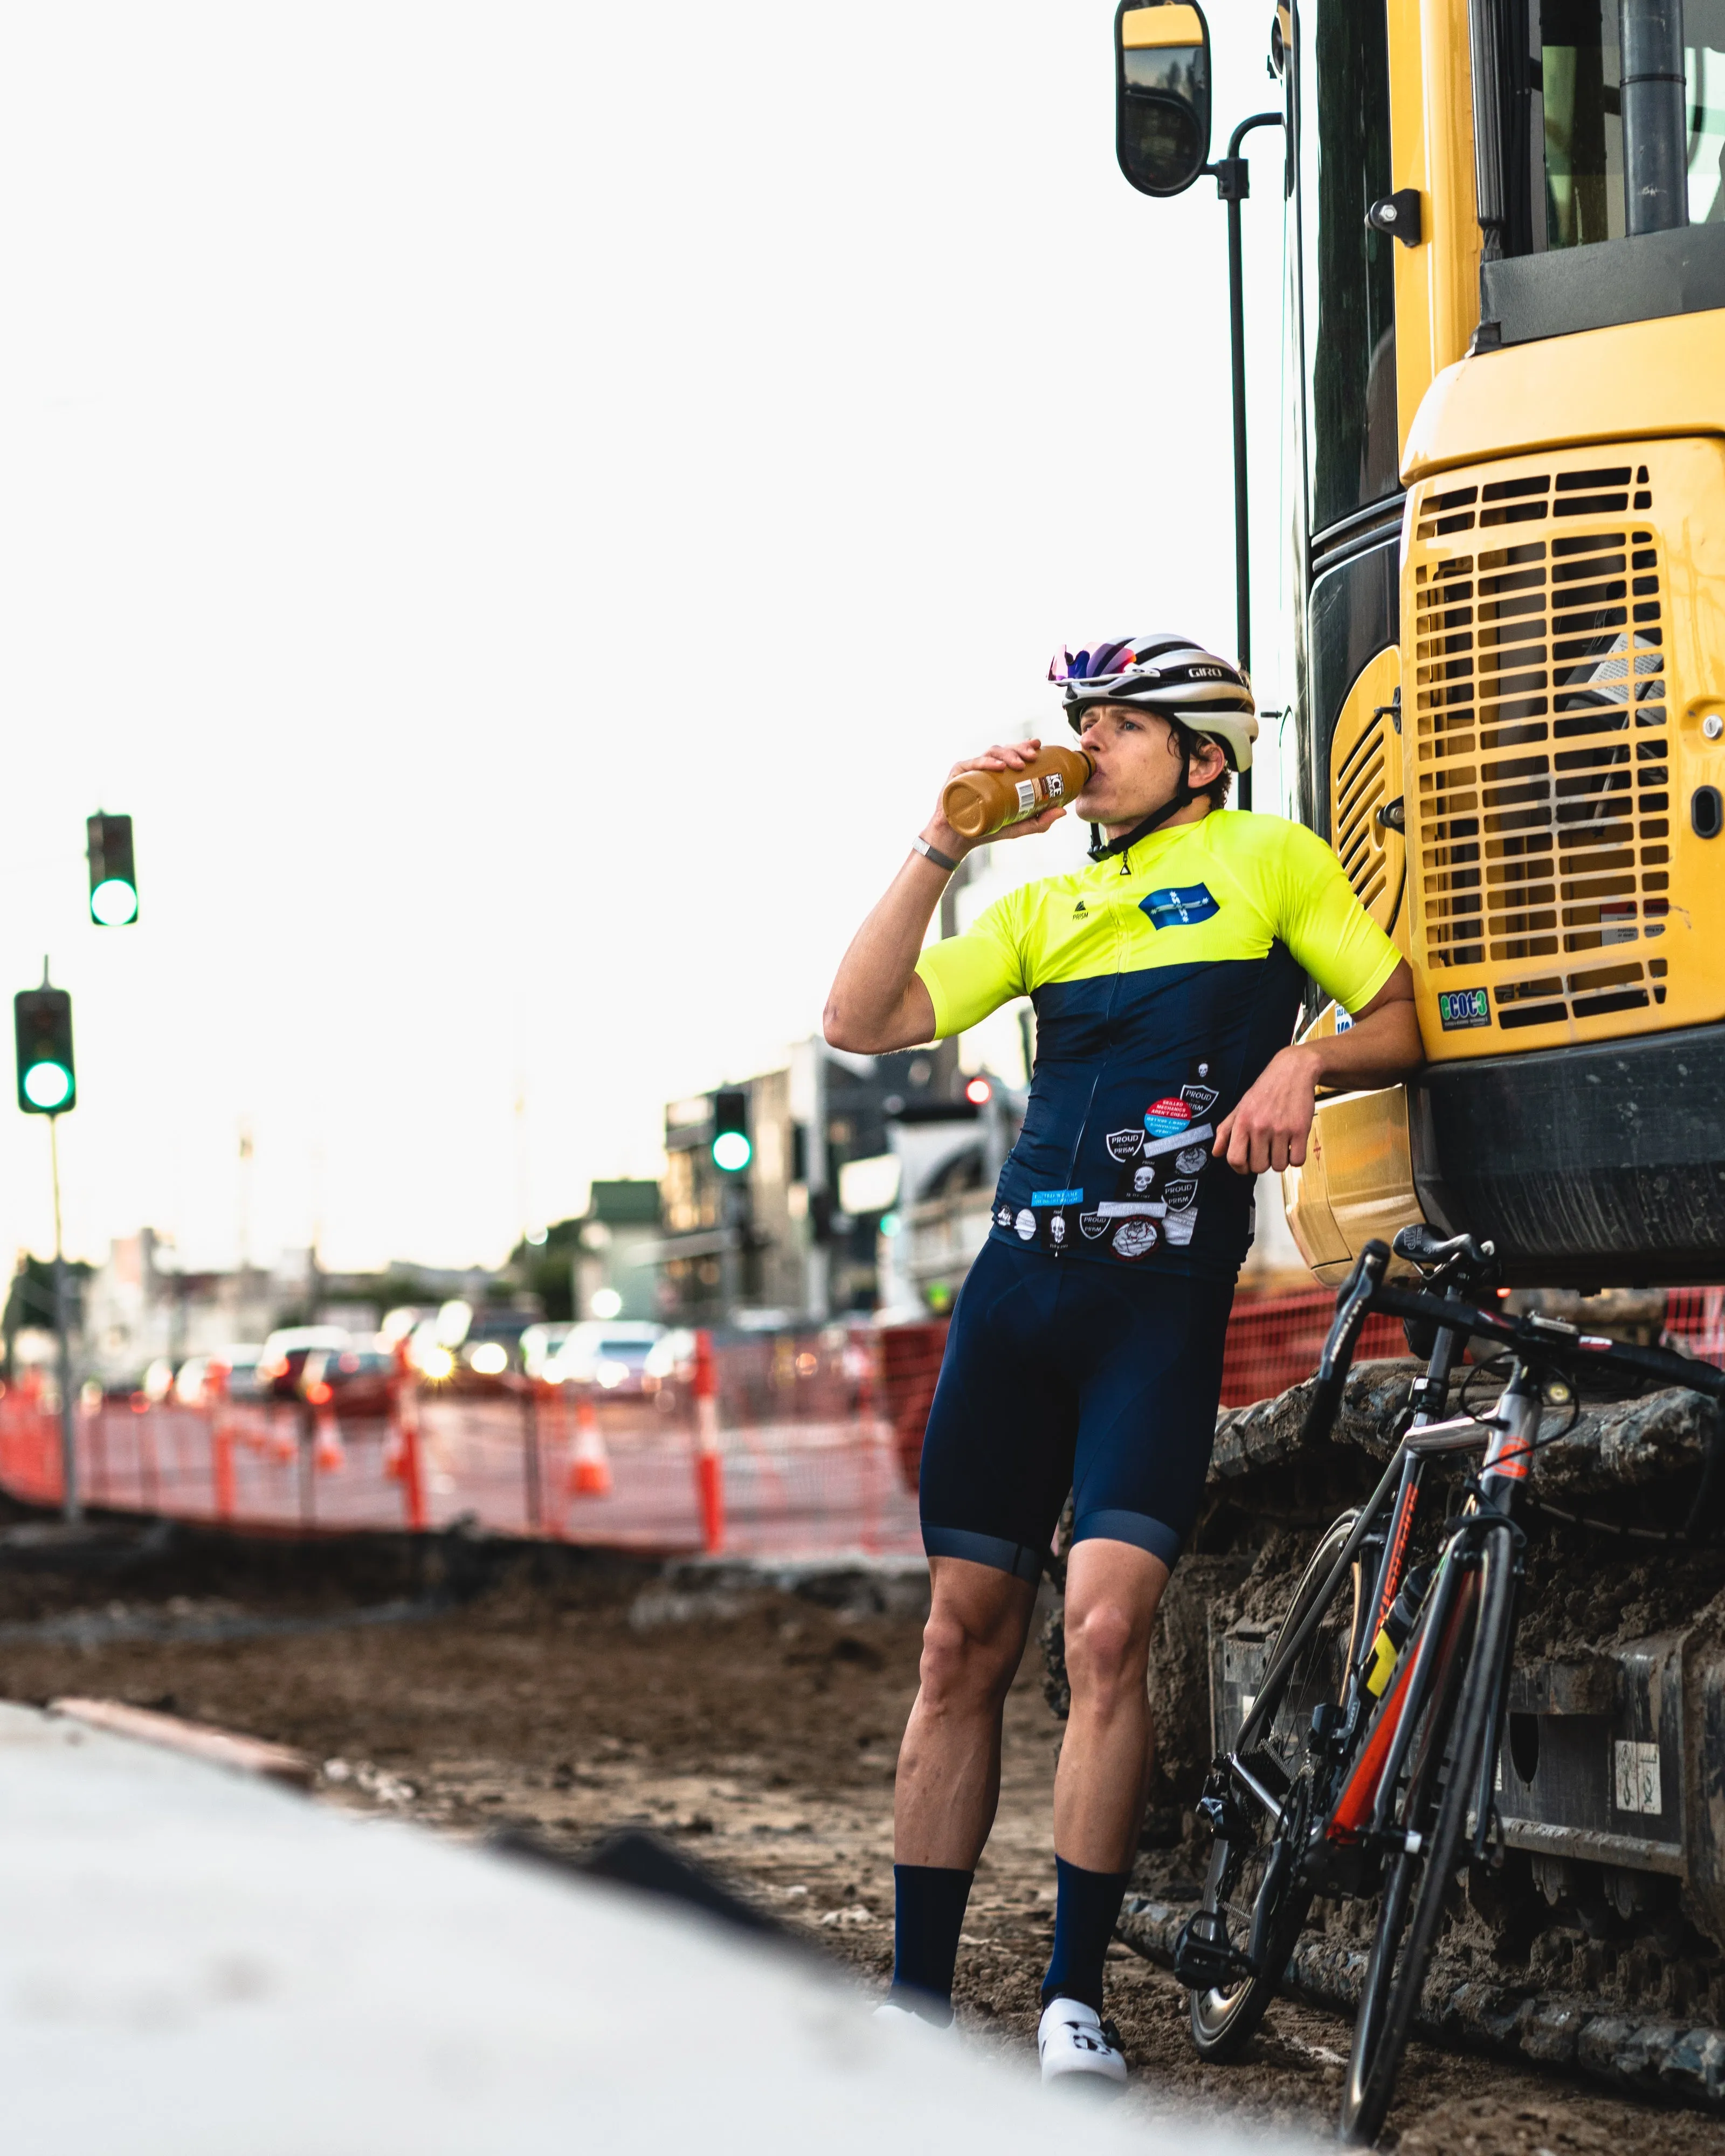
pixel 979 804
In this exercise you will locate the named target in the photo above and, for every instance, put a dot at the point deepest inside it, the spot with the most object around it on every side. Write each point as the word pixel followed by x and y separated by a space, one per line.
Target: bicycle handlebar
pixel 1541 1339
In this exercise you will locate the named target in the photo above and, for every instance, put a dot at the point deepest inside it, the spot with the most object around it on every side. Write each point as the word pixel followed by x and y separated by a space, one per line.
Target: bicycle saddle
pixel 1421 1246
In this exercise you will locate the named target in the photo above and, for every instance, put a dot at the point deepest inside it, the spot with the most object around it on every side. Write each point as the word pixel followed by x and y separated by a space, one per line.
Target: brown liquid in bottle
pixel 981 803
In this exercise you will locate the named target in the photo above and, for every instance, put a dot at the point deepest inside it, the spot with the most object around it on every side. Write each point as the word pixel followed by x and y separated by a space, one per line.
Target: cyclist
pixel 1085 1347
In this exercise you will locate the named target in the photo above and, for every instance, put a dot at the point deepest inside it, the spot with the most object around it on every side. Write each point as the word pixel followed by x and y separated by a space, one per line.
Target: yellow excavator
pixel 1505 370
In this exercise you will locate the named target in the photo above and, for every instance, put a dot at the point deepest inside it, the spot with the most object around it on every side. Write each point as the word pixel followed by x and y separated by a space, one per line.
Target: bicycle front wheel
pixel 1430 1818
pixel 1243 1872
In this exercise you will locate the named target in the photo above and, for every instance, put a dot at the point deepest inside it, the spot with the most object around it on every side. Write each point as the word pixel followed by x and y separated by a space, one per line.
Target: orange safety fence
pixel 783 1445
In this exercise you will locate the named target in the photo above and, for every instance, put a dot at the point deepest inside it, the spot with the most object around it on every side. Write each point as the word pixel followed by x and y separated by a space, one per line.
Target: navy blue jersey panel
pixel 1134 1071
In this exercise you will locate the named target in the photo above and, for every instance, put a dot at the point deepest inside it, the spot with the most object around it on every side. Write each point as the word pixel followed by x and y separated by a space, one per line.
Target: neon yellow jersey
pixel 1163 980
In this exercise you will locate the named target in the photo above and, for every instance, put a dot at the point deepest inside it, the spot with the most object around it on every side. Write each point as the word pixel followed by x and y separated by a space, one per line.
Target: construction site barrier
pixel 781 1445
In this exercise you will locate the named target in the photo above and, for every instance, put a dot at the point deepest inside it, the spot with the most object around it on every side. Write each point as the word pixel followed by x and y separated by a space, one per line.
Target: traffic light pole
pixel 69 1413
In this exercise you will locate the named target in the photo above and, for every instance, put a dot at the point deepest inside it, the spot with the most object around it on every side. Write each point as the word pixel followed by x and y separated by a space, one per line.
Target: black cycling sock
pixel 928 1915
pixel 1087 1908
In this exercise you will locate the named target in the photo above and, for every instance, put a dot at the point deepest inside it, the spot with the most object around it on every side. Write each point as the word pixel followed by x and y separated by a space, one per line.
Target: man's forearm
pixel 1378 1049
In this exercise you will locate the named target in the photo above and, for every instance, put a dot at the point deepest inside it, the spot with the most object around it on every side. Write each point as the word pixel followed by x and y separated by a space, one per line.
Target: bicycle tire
pixel 1223 2021
pixel 1464 1703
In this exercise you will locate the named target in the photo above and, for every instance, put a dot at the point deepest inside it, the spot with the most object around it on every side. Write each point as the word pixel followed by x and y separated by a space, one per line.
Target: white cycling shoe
pixel 918 2027
pixel 1073 2040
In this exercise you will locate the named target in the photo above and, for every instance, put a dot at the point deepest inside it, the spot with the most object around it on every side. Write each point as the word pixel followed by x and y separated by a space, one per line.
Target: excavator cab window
pixel 1341 102
pixel 1615 116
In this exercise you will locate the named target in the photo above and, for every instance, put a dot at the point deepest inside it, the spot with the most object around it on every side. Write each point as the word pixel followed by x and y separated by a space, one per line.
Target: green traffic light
pixel 47 1087
pixel 113 904
pixel 732 1152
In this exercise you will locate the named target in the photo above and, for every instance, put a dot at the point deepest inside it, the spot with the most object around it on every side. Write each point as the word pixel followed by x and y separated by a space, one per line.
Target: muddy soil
pixel 756 1730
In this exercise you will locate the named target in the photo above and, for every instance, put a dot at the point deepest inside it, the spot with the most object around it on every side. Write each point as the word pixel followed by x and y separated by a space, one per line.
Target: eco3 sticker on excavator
pixel 1183 907
pixel 1458 1007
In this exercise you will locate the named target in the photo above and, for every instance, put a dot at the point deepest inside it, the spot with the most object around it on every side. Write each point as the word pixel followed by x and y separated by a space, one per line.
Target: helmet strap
pixel 1183 797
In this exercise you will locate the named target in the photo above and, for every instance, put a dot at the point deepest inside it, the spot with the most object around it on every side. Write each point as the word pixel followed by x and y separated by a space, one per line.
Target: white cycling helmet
pixel 1171 675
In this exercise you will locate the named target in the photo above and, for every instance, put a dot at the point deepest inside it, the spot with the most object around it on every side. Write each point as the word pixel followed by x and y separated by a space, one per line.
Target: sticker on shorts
pixel 1166 1118
pixel 1132 1209
pixel 1024 1227
pixel 1057 1198
pixel 1054 1232
pixel 1133 1238
pixel 1181 1195
pixel 1003 1216
pixel 1126 1145
pixel 1093 1225
pixel 1179 1226
pixel 1200 1099
pixel 1144 1179
pixel 1153 1147
pixel 1190 1159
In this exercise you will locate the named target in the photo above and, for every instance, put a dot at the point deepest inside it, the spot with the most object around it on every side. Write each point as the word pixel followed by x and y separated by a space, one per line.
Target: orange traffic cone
pixel 590 1464
pixel 328 1456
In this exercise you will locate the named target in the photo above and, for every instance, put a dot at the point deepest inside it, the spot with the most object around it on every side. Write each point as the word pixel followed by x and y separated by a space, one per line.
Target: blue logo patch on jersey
pixel 1057 1198
pixel 1181 908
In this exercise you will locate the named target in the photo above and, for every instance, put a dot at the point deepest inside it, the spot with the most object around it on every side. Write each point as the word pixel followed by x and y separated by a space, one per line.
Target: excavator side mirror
pixel 1162 95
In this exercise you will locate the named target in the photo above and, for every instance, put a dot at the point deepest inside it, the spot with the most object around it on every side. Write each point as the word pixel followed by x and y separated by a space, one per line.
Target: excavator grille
pixel 1540 771
pixel 1365 779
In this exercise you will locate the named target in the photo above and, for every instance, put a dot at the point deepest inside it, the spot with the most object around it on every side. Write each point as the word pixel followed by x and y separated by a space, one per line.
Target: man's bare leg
pixel 949 1771
pixel 949 1763
pixel 1112 1591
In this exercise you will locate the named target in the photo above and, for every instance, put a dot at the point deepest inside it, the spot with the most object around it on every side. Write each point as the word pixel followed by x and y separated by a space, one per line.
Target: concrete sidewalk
pixel 197 1963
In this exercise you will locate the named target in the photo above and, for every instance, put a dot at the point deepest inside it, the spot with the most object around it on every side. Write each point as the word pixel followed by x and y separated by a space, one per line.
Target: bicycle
pixel 1366 1761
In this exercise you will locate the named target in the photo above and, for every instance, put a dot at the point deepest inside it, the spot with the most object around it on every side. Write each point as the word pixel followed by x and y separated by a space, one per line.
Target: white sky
pixel 523 504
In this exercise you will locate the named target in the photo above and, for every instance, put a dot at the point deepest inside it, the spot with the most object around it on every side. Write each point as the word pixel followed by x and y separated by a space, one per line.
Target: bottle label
pixel 1027 796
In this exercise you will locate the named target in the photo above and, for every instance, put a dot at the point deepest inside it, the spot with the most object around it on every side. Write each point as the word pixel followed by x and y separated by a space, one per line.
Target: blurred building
pixel 617 1238
pixel 840 1145
pixel 140 1307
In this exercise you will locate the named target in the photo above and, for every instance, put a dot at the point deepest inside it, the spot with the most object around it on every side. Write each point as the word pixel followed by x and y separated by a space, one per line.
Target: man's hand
pixel 1011 755
pixel 1270 1126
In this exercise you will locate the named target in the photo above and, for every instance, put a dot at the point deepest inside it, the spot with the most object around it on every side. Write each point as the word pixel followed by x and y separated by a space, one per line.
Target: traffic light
pixel 732 1149
pixel 47 1082
pixel 113 877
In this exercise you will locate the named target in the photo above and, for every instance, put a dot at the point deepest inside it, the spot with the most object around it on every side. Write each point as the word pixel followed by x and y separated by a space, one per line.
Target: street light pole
pixel 68 1413
pixel 1233 181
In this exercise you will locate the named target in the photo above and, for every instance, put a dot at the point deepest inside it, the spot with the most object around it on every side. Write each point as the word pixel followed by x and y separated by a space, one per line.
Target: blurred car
pixel 190 1380
pixel 237 1364
pixel 539 1345
pixel 479 1352
pixel 611 1355
pixel 355 1380
pixel 282 1360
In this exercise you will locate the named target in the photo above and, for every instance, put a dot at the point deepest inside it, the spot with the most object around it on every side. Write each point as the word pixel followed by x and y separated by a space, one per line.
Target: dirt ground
pixel 756 1730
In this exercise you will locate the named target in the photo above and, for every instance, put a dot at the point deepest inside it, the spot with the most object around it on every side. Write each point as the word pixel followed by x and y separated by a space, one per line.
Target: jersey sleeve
pixel 970 975
pixel 1326 928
